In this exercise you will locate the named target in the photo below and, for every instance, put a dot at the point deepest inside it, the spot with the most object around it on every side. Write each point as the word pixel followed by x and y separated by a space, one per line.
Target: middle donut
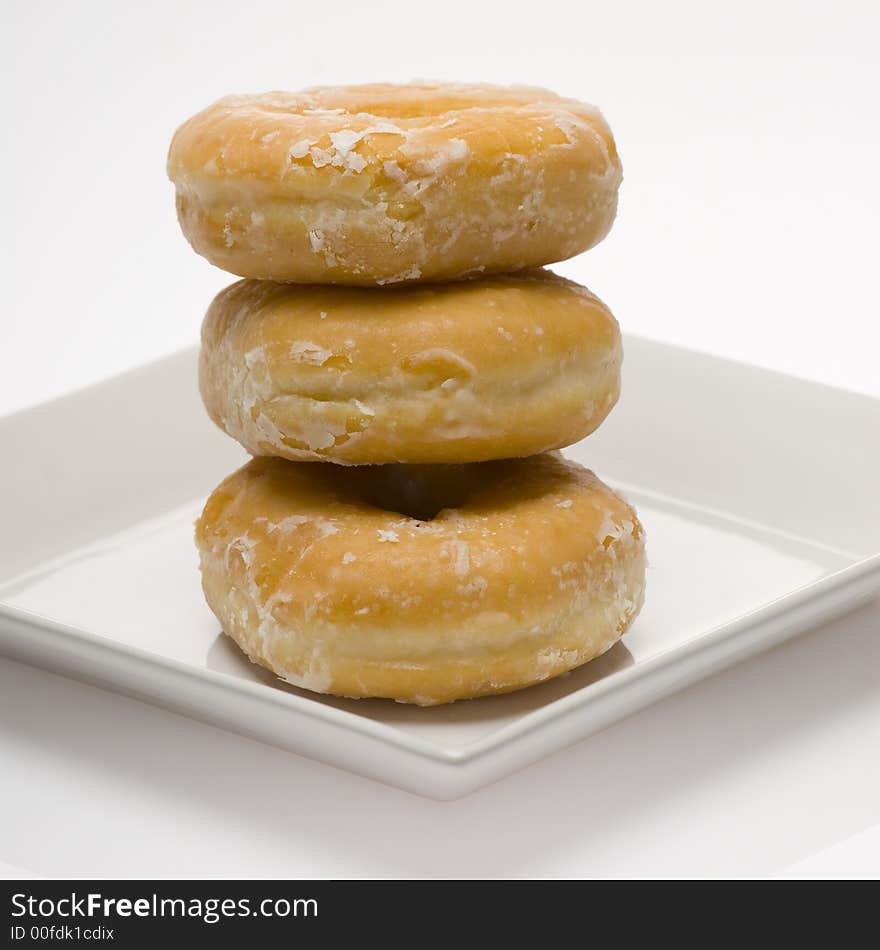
pixel 492 368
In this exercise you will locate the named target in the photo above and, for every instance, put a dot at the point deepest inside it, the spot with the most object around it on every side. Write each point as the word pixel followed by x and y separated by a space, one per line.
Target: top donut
pixel 382 184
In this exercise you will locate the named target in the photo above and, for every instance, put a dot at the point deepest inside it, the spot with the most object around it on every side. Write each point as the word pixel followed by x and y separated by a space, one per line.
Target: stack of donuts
pixel 404 372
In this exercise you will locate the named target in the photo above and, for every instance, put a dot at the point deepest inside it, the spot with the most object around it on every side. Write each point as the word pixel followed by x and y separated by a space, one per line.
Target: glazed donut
pixel 423 584
pixel 383 183
pixel 462 372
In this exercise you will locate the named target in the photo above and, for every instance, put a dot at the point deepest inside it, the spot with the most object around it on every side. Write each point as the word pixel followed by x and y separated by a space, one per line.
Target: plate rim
pixel 829 595
pixel 865 570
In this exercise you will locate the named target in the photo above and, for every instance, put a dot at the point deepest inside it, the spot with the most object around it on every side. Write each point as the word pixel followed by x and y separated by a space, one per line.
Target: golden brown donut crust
pixel 468 371
pixel 385 183
pixel 534 568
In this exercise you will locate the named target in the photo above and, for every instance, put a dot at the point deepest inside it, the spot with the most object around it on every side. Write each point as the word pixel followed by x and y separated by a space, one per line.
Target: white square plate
pixel 758 493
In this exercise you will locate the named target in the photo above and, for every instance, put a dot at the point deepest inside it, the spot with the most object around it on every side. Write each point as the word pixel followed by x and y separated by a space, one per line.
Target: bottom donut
pixel 423 584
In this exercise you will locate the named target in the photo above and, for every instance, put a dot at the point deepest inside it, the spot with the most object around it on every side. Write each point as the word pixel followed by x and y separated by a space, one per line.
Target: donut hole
pixel 419 492
pixel 415 104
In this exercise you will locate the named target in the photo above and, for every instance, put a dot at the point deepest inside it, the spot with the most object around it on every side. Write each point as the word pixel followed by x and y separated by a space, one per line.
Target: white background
pixel 750 139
